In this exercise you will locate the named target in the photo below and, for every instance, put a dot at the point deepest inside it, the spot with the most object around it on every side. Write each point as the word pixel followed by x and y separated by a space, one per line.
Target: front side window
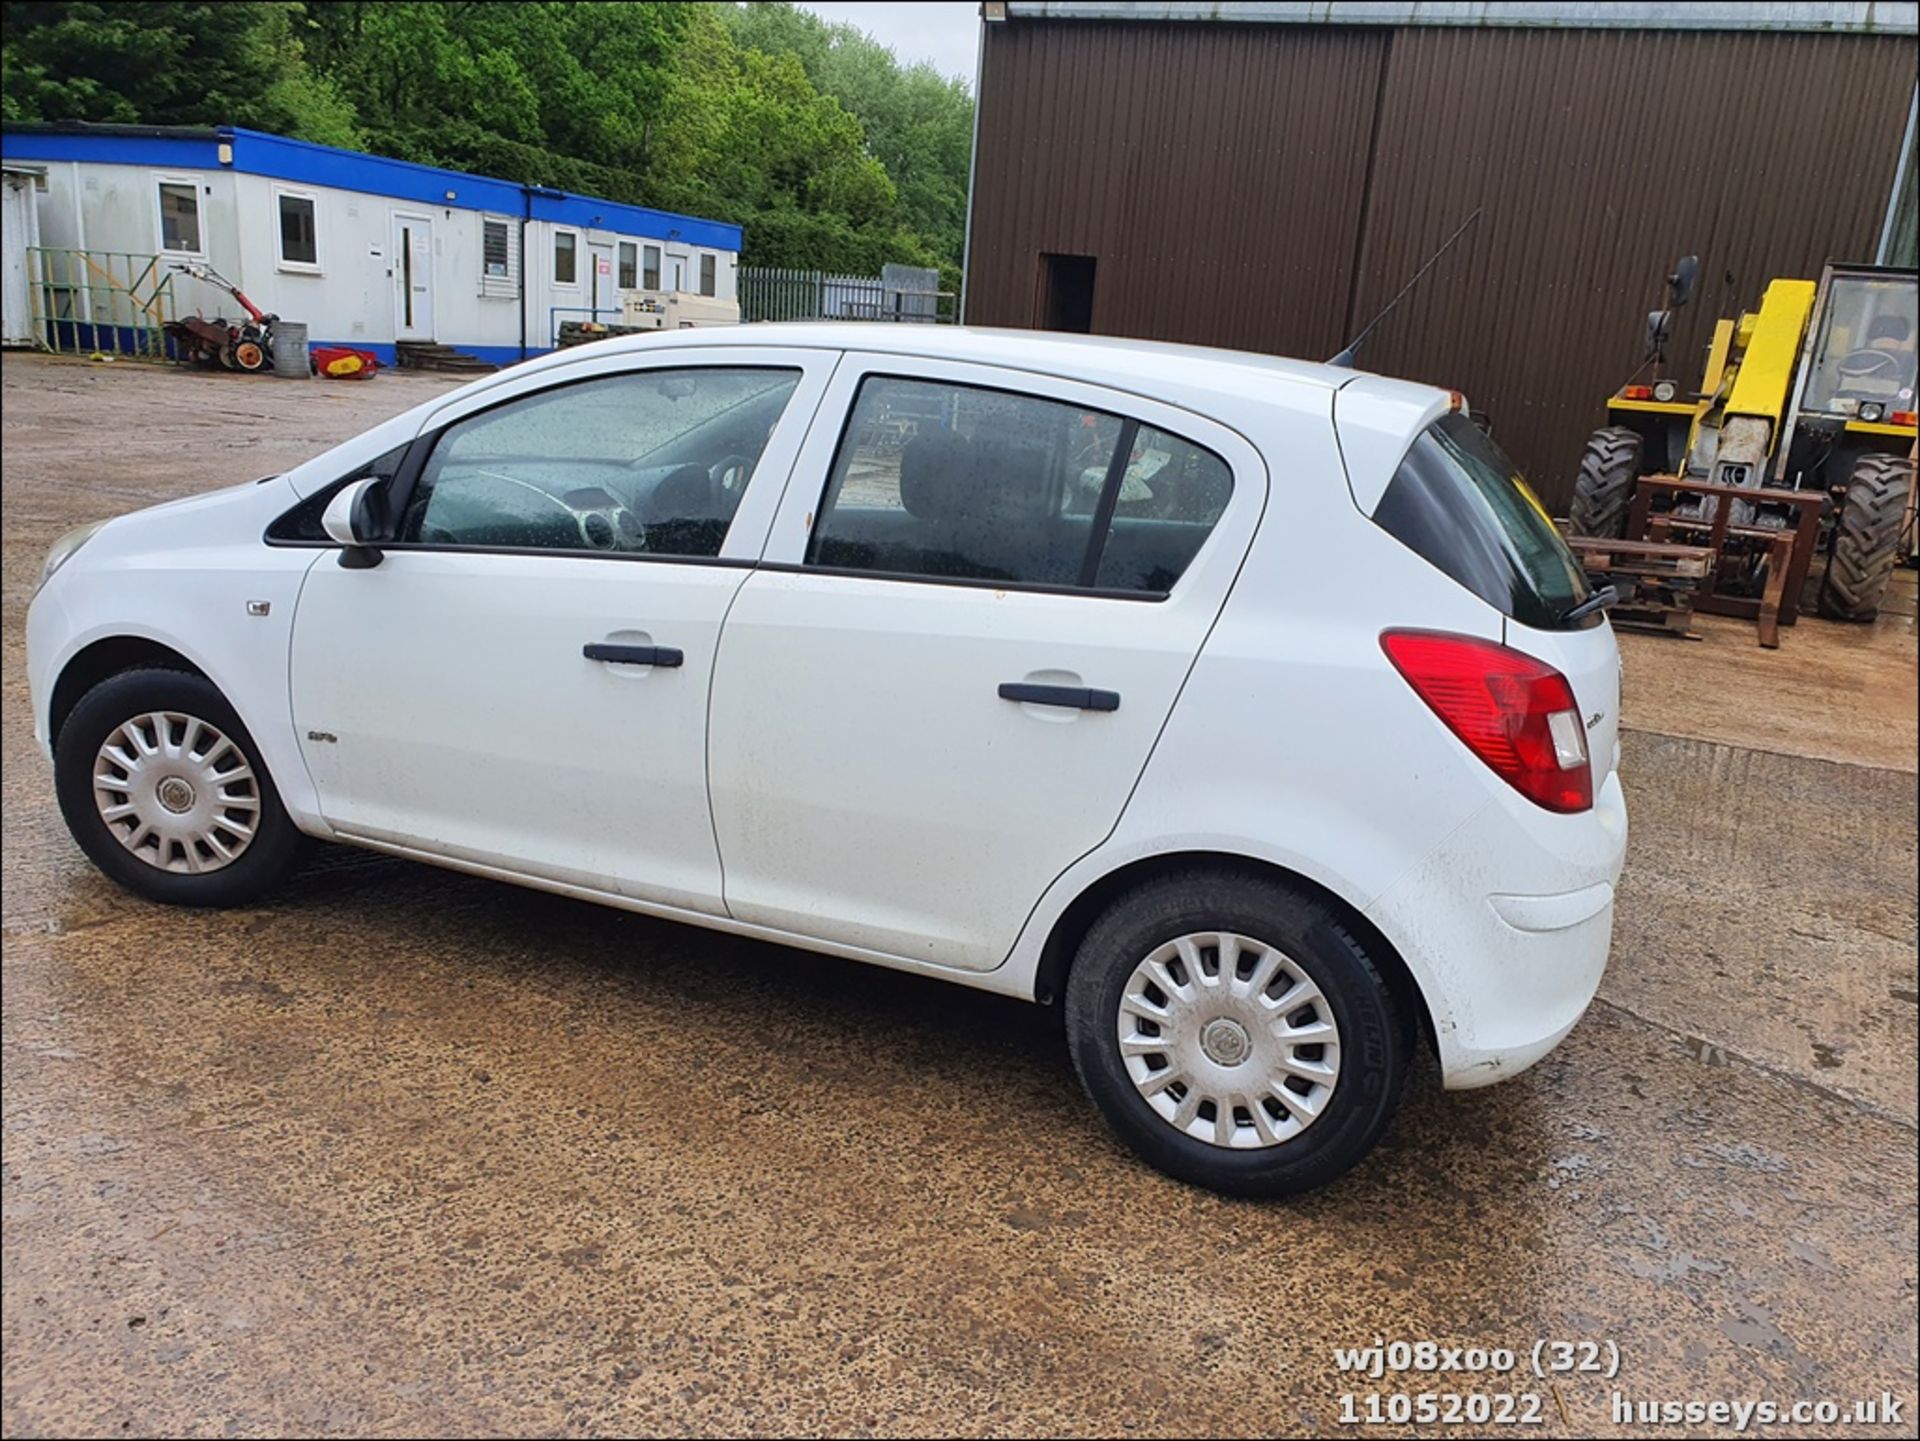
pixel 180 217
pixel 299 244
pixel 493 249
pixel 955 482
pixel 650 272
pixel 629 265
pixel 653 463
pixel 707 273
pixel 1460 503
pixel 564 247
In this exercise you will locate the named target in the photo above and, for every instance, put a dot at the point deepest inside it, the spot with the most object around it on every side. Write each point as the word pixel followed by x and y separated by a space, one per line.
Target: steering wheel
pixel 1865 362
pixel 728 478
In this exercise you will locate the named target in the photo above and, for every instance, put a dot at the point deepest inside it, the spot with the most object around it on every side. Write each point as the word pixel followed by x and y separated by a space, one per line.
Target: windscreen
pixel 1460 503
pixel 1866 347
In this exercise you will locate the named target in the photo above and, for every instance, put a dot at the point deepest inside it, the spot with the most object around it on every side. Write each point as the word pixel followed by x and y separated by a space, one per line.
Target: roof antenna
pixel 1345 357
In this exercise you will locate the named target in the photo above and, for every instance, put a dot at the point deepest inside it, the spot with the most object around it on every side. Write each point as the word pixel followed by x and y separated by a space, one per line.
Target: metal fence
pixel 900 293
pixel 110 302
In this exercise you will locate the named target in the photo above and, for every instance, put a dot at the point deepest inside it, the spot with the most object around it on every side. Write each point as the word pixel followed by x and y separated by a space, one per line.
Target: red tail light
pixel 1637 392
pixel 1904 417
pixel 1516 713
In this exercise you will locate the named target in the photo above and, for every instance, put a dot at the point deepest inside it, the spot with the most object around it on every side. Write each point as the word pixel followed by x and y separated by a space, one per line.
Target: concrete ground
pixel 406 1152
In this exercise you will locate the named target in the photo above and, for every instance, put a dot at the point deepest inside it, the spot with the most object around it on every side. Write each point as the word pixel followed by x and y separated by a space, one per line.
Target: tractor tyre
pixel 1604 487
pixel 1866 538
pixel 250 356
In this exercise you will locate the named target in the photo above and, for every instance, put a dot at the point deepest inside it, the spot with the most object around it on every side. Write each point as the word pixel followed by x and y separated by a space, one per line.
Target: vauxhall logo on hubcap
pixel 1225 1042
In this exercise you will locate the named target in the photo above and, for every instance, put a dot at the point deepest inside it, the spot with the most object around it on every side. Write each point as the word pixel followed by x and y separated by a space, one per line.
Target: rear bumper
pixel 1506 927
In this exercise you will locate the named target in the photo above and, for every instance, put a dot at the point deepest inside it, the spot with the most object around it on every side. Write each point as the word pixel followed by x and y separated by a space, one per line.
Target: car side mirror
pixel 1680 284
pixel 356 518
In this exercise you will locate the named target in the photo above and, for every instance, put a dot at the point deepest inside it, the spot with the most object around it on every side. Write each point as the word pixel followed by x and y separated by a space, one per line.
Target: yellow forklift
pixel 1813 390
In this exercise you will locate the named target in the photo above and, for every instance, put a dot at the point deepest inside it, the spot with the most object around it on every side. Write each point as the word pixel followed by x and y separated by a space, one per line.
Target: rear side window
pixel 955 482
pixel 1460 503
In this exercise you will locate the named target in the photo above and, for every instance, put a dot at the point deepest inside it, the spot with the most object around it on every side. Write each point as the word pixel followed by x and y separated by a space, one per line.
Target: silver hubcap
pixel 176 792
pixel 1229 1040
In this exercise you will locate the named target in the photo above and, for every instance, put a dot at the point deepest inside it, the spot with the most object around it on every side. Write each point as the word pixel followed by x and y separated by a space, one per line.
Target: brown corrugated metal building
pixel 1266 176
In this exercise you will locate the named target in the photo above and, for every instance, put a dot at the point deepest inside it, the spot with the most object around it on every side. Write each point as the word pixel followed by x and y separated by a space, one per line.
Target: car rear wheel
pixel 1235 1033
pixel 165 791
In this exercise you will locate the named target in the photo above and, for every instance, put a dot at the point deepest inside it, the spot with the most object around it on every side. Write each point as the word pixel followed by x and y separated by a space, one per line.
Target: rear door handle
pixel 660 655
pixel 1069 696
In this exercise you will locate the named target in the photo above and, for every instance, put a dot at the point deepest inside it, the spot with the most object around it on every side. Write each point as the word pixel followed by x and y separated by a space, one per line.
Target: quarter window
pixel 953 482
pixel 302 523
pixel 564 246
pixel 299 244
pixel 645 464
pixel 1172 494
pixel 493 249
pixel 628 265
pixel 180 217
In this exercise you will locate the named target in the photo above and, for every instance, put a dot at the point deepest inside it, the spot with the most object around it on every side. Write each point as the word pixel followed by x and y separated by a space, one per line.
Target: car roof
pixel 1196 377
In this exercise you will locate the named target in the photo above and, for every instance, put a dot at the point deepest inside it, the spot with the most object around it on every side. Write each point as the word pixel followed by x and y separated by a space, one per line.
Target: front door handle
pixel 1070 696
pixel 660 655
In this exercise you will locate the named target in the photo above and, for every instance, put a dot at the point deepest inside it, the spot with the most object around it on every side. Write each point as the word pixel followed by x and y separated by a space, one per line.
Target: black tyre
pixel 1866 538
pixel 165 791
pixel 1603 489
pixel 1235 1033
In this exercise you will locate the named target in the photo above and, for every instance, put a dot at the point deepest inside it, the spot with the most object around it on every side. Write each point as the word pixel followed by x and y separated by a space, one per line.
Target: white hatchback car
pixel 1255 708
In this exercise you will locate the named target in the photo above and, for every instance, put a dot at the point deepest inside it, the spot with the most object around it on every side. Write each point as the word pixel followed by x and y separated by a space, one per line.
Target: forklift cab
pixel 1855 393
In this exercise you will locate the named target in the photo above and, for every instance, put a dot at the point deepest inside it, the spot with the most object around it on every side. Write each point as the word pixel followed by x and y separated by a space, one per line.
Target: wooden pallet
pixel 1789 553
pixel 1658 581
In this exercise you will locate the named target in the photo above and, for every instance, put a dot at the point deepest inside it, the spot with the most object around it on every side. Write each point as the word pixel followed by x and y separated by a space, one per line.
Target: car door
pixel 937 691
pixel 522 681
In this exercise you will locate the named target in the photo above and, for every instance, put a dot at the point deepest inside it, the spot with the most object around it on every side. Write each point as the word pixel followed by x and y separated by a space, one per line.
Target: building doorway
pixel 605 295
pixel 1063 293
pixel 413 277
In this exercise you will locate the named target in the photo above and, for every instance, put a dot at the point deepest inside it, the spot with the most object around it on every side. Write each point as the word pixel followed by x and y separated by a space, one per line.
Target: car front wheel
pixel 165 791
pixel 1235 1033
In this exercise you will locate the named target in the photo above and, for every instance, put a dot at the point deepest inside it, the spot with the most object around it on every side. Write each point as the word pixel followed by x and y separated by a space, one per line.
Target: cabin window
pixel 180 216
pixel 494 241
pixel 299 238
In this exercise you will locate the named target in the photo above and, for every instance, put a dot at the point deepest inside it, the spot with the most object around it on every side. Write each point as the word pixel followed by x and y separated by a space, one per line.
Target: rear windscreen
pixel 1460 503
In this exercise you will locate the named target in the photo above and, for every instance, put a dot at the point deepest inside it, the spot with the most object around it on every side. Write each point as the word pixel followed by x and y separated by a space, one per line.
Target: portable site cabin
pixel 366 251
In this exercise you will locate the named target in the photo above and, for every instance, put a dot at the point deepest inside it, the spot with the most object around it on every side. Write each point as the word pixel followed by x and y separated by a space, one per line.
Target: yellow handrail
pixel 100 302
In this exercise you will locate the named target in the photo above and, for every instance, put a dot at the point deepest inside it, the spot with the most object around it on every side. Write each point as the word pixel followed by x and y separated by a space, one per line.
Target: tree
pixel 812 137
pixel 164 63
pixel 917 122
